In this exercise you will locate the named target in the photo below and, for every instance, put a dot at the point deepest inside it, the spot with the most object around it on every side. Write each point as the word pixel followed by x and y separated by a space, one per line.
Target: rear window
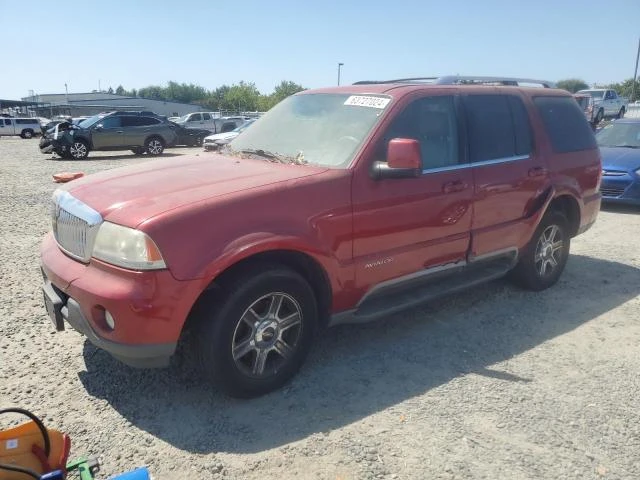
pixel 565 124
pixel 26 121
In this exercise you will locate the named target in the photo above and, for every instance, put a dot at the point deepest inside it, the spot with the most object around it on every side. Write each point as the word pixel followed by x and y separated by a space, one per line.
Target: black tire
pixel 137 150
pixel 79 150
pixel 620 113
pixel 223 323
pixel 599 116
pixel 27 133
pixel 541 264
pixel 154 146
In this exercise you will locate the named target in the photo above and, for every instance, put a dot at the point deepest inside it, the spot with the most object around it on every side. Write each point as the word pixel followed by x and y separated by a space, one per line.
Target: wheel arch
pixel 570 208
pixel 302 263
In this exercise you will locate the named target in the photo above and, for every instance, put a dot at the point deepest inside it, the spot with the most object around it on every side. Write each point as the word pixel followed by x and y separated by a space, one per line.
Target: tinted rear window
pixel 565 124
pixel 522 126
pixel 26 121
pixel 490 127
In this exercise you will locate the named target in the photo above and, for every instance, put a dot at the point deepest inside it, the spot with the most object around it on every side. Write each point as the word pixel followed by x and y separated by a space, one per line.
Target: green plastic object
pixel 85 467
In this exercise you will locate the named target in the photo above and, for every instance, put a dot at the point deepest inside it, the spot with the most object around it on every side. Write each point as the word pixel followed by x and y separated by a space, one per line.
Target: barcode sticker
pixel 11 444
pixel 367 101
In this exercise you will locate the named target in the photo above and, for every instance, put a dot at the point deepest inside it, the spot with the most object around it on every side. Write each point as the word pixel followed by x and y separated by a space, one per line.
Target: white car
pixel 214 142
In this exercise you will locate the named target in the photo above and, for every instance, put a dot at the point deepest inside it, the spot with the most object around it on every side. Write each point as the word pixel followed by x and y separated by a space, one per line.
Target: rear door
pixel 404 226
pixel 138 129
pixel 510 175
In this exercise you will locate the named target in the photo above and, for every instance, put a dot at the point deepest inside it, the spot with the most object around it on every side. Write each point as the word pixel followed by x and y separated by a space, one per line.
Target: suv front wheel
pixel 79 150
pixel 255 337
pixel 154 146
pixel 543 260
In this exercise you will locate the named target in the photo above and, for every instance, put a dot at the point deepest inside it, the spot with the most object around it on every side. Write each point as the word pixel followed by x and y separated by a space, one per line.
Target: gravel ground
pixel 495 383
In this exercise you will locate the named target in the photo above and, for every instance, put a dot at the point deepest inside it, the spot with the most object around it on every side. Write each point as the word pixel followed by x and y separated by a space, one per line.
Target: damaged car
pixel 140 132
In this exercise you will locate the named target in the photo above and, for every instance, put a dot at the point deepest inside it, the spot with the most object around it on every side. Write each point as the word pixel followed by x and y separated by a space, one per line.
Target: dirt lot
pixel 495 383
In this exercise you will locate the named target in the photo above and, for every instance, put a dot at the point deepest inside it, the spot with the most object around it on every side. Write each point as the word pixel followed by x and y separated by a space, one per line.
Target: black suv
pixel 139 132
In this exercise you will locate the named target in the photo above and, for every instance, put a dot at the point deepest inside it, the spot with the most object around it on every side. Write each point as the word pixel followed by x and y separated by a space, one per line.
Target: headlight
pixel 638 172
pixel 127 247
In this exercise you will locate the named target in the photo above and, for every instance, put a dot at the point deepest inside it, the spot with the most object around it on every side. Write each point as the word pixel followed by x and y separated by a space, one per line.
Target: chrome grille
pixel 75 225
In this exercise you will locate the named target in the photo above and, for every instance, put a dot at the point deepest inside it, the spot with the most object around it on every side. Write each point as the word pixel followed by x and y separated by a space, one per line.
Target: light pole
pixel 635 74
pixel 339 66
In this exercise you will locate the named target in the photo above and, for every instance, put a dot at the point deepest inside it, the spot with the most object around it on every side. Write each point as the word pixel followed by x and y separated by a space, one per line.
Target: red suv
pixel 338 205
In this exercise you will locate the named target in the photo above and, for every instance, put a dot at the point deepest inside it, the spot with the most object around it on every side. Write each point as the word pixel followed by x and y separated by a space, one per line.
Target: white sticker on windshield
pixel 367 101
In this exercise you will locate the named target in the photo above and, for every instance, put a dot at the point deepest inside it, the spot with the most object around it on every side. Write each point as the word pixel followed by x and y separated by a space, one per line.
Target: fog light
pixel 111 323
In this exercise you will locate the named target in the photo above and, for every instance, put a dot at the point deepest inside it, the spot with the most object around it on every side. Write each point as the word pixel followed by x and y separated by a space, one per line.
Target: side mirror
pixel 98 127
pixel 403 160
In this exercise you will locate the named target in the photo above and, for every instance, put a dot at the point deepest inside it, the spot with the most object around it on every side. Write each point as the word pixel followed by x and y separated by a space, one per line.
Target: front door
pixel 6 127
pixel 511 177
pixel 404 226
pixel 108 133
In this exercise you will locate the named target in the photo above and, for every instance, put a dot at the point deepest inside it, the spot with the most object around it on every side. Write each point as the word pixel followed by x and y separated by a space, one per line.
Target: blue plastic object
pixel 137 474
pixel 57 475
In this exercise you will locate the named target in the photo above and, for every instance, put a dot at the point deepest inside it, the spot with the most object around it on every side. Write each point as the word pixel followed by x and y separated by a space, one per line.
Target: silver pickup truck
pixel 25 127
pixel 606 103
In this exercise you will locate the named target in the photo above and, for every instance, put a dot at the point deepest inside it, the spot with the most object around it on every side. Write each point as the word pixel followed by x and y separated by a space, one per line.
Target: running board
pixel 398 295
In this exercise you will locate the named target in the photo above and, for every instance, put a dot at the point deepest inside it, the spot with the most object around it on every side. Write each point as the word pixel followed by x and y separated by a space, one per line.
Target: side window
pixel 146 121
pixel 196 117
pixel 206 116
pixel 565 124
pixel 111 122
pixel 521 124
pixel 491 130
pixel 608 95
pixel 614 95
pixel 7 121
pixel 433 122
pixel 227 127
pixel 129 121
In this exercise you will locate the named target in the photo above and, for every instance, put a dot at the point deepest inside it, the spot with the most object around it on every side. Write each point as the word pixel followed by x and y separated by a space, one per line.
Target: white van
pixel 25 127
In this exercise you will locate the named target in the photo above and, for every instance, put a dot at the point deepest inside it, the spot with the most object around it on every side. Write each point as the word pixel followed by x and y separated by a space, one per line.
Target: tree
pixel 110 90
pixel 120 90
pixel 285 89
pixel 625 88
pixel 572 84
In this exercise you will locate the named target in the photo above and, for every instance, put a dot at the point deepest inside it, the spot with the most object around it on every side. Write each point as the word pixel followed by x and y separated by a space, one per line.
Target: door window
pixel 111 122
pixel 206 116
pixel 196 117
pixel 433 122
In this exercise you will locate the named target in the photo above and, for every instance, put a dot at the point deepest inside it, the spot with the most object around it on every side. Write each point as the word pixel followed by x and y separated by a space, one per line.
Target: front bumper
pixel 150 308
pixel 620 189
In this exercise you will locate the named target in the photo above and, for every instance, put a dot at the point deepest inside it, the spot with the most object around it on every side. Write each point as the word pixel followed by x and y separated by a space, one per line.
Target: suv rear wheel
pixel 543 260
pixel 27 133
pixel 79 150
pixel 154 146
pixel 258 334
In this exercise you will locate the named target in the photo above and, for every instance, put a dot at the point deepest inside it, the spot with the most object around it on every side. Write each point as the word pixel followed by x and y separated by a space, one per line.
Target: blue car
pixel 619 145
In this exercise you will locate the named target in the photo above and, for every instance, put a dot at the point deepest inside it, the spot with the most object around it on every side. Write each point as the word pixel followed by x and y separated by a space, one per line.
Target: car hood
pixel 620 158
pixel 132 195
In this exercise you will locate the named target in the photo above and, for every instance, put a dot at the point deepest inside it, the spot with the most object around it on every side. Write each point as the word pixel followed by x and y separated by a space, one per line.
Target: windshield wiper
pixel 276 157
pixel 626 146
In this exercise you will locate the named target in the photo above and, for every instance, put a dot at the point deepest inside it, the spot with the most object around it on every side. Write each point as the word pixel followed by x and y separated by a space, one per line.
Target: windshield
pixel 324 129
pixel 90 121
pixel 619 135
pixel 594 93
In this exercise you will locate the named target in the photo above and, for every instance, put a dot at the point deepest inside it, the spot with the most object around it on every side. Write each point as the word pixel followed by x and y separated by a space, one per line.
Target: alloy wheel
pixel 267 335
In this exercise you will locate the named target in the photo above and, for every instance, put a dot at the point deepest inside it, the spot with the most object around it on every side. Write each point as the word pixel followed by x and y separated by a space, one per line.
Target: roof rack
pixel 463 80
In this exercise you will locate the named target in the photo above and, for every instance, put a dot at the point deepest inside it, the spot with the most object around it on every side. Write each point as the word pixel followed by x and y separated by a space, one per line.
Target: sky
pixel 90 44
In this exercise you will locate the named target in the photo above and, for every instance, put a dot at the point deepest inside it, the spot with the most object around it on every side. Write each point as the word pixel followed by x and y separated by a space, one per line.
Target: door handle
pixel 537 171
pixel 120 131
pixel 455 186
